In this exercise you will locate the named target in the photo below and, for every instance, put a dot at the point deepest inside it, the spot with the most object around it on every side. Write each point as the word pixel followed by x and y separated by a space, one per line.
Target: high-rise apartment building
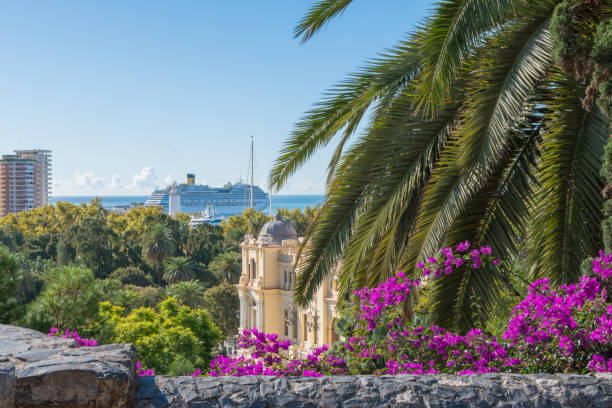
pixel 42 173
pixel 25 180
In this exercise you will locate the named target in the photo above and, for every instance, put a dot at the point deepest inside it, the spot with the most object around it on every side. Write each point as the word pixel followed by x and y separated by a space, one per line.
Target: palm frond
pixel 567 204
pixel 343 108
pixel 495 216
pixel 496 106
pixel 318 16
pixel 513 65
pixel 393 196
pixel 455 28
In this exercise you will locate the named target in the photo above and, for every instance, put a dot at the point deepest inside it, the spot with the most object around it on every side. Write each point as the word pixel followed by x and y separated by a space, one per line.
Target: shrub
pixel 162 338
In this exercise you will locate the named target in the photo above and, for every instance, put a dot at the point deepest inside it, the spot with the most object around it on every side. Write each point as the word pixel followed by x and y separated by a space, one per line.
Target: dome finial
pixel 278 216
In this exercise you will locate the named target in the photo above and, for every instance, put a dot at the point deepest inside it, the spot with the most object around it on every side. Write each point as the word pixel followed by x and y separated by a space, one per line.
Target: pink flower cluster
pixel 267 357
pixel 142 372
pixel 67 334
pixel 555 326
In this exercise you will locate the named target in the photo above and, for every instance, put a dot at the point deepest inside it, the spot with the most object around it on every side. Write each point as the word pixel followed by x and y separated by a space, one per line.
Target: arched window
pixel 290 280
pixel 253 269
pixel 334 333
pixel 285 283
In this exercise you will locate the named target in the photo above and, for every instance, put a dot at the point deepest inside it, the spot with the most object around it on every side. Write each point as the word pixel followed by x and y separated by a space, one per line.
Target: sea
pixel 278 201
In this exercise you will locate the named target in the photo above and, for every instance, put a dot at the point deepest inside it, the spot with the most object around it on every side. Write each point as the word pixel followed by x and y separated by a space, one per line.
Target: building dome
pixel 277 230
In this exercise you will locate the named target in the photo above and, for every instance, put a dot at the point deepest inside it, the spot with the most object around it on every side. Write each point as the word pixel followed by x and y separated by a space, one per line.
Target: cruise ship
pixel 191 198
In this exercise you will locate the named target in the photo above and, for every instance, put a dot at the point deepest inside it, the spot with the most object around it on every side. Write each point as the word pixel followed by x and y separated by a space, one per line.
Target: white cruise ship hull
pixel 225 201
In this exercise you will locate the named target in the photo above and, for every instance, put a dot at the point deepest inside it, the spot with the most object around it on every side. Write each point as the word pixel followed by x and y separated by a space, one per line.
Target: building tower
pixel 42 173
pixel 266 291
pixel 17 187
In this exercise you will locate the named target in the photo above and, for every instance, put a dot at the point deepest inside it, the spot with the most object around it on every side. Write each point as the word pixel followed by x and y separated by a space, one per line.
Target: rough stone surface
pixel 486 390
pixel 41 371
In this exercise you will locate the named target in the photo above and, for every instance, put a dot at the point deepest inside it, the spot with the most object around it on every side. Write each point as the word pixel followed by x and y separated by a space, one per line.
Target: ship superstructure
pixel 226 201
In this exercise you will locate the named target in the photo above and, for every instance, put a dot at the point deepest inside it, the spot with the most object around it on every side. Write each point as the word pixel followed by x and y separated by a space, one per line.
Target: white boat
pixel 208 216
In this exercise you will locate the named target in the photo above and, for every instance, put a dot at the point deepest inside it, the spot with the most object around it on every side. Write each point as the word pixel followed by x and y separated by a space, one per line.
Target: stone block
pixel 8 384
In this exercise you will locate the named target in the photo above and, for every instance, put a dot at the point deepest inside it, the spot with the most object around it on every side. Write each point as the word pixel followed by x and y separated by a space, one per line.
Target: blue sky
pixel 130 95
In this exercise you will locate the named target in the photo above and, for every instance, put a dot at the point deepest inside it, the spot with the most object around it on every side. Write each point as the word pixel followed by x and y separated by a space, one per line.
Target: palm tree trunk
pixel 159 280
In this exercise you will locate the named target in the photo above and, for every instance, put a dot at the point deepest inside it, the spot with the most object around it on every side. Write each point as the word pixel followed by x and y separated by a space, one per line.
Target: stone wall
pixel 40 371
pixel 488 390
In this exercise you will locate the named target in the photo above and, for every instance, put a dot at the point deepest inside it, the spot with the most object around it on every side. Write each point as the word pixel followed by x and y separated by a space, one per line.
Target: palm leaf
pixel 454 30
pixel 567 205
pixel 496 107
pixel 343 108
pixel 318 16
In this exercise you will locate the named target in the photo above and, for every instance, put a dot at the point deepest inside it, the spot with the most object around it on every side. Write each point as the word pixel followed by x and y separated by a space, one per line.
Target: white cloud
pixel 115 183
pixel 61 184
pixel 88 180
pixel 144 179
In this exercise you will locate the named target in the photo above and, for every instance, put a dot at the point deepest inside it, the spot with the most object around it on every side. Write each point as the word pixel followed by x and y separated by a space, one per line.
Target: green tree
pixel 227 267
pixel 9 282
pixel 587 57
pixel 162 337
pixel 249 222
pixel 223 304
pixel 8 238
pixel 93 241
pixel 69 299
pixel 204 242
pixel 128 299
pixel 147 296
pixel 64 253
pixel 31 273
pixel 458 115
pixel 188 293
pixel 131 276
pixel 158 244
pixel 178 268
pixel 301 220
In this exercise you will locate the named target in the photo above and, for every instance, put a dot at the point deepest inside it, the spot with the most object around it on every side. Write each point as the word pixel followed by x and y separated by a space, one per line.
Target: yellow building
pixel 265 290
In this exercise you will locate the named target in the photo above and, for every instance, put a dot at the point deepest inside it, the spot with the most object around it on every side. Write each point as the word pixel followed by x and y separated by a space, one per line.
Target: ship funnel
pixel 190 178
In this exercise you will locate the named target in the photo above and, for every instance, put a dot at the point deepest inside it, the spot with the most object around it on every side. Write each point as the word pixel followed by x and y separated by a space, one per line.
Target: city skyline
pixel 133 96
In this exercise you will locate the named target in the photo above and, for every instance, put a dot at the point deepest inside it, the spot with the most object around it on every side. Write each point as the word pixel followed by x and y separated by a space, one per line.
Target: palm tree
pixel 473 133
pixel 227 266
pixel 126 298
pixel 189 293
pixel 157 245
pixel 178 268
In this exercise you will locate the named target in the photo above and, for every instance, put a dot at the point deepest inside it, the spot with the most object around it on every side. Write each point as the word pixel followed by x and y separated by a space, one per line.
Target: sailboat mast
pixel 252 173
